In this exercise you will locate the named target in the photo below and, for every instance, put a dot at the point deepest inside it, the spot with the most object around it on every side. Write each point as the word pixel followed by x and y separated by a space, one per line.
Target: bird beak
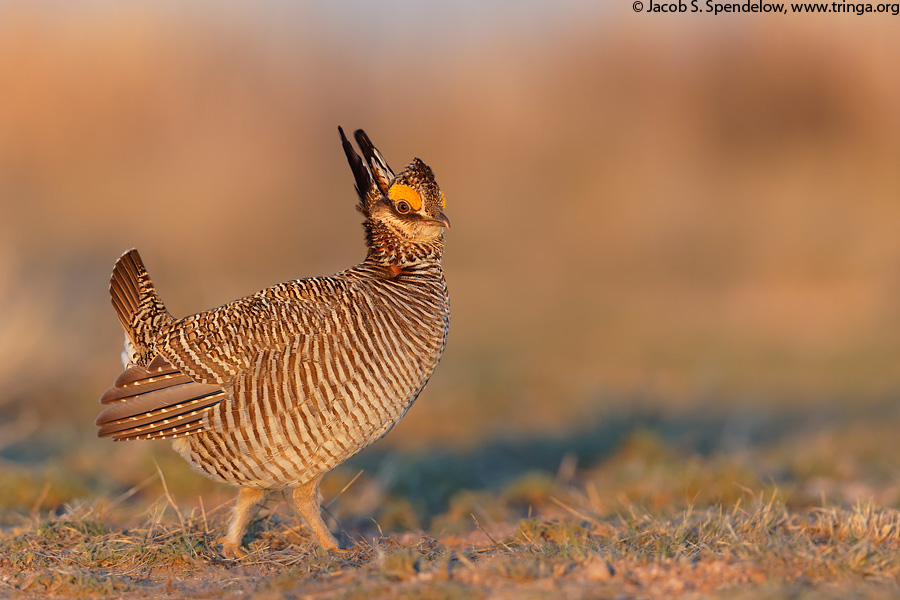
pixel 442 220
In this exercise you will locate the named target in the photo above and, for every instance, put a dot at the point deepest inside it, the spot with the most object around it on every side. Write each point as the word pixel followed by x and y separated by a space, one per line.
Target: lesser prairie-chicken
pixel 274 390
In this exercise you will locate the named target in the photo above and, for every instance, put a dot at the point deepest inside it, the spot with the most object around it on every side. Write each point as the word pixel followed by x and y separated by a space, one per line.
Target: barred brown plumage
pixel 274 390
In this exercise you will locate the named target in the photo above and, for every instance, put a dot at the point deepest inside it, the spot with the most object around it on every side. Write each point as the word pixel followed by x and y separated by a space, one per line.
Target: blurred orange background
pixel 648 211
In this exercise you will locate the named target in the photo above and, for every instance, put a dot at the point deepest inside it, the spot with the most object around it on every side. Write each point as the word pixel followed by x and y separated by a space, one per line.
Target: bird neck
pixel 387 247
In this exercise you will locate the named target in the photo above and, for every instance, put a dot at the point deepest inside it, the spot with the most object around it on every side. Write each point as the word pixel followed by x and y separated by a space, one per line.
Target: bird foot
pixel 230 549
pixel 342 551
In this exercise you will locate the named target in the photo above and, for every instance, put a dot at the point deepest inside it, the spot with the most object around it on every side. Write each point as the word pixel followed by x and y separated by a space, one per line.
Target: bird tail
pixel 139 308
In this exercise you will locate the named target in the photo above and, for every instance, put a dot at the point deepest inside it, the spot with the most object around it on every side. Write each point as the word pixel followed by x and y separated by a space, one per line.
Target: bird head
pixel 409 203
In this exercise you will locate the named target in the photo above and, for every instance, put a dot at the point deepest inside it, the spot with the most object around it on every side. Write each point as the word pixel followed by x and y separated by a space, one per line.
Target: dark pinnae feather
pixel 365 185
pixel 377 165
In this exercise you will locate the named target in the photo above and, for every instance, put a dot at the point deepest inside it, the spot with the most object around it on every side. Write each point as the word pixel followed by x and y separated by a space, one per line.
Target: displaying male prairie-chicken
pixel 274 390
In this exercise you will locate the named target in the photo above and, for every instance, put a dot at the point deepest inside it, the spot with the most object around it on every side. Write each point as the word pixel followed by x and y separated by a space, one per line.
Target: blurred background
pixel 673 236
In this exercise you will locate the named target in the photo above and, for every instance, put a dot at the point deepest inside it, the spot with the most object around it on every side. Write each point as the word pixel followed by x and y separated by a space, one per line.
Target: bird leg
pixel 307 499
pixel 246 500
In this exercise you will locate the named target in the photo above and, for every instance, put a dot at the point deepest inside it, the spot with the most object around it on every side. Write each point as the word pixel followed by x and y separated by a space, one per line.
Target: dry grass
pixel 756 546
pixel 665 511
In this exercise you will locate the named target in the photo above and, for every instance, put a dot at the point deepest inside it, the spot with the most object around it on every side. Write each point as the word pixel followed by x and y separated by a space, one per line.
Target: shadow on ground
pixel 768 442
pixel 645 453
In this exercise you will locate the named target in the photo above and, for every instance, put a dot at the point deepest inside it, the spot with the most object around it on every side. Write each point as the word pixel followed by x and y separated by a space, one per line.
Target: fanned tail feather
pixel 138 307
pixel 151 399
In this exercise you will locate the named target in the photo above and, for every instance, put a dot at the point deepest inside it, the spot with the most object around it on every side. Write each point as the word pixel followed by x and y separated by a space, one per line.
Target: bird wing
pixel 201 356
pixel 156 401
pixel 217 345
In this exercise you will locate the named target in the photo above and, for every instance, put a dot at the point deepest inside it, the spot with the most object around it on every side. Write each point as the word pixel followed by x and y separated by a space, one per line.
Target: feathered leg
pixel 306 497
pixel 246 501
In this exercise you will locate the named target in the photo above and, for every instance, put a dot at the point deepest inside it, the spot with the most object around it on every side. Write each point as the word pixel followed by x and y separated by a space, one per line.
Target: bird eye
pixel 402 207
